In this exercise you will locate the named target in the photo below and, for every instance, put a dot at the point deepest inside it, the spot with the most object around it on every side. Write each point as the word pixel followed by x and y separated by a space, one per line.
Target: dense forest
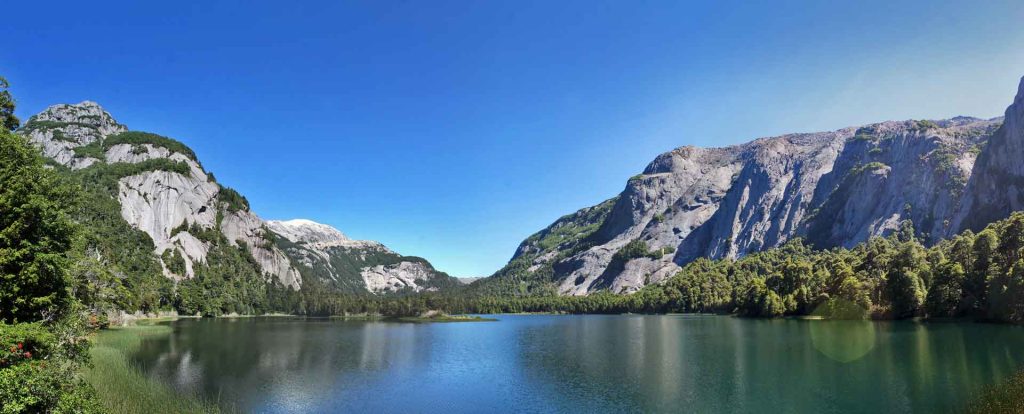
pixel 980 276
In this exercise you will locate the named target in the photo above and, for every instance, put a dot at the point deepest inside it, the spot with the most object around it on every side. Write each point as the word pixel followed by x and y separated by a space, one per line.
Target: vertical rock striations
pixel 996 186
pixel 834 188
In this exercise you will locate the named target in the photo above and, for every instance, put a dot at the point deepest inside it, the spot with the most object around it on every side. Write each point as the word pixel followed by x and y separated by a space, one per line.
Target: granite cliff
pixel 835 188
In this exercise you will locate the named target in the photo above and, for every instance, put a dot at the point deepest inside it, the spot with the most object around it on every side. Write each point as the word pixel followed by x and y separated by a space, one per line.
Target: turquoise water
pixel 552 363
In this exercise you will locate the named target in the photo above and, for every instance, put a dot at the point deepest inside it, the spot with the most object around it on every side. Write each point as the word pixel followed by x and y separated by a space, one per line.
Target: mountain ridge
pixel 343 263
pixel 162 190
pixel 833 188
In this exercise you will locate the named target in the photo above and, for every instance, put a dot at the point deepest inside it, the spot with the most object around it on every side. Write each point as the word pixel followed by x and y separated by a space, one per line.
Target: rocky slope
pixel 170 205
pixel 326 254
pixel 996 185
pixel 834 188
pixel 162 190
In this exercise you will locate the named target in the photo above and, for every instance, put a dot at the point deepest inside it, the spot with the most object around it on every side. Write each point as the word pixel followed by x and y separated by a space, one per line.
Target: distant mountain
pixel 835 188
pixel 155 203
pixel 326 254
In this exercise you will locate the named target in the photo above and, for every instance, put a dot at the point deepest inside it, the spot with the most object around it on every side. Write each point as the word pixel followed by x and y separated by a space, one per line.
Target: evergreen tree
pixel 36 235
pixel 8 121
pixel 947 288
pixel 40 319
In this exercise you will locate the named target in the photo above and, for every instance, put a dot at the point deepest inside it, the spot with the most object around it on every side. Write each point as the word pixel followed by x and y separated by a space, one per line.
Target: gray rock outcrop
pixel 326 254
pixel 835 188
pixel 996 186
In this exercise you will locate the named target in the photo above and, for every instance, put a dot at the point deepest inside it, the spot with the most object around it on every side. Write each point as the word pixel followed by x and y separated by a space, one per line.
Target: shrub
pixel 174 261
pixel 234 201
pixel 140 138
pixel 924 125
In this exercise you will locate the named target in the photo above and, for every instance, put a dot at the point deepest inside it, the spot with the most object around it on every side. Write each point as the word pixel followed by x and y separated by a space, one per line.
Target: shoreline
pixel 122 387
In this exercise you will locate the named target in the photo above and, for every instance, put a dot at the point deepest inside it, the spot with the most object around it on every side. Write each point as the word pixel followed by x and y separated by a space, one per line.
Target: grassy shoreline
pixel 122 387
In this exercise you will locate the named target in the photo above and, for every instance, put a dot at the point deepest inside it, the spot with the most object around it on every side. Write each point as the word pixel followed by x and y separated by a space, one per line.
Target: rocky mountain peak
pixel 306 231
pixel 61 128
pixel 86 114
pixel 326 254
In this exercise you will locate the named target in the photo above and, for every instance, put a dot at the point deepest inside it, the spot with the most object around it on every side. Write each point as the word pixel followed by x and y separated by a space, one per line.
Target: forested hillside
pixel 160 233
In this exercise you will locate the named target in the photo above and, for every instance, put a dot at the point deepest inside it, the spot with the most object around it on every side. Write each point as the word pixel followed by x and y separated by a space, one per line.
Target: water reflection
pixel 583 364
pixel 714 364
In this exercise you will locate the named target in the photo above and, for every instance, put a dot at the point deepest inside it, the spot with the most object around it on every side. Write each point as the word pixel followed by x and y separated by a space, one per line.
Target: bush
pixel 924 125
pixel 22 342
pixel 174 261
pixel 36 388
pixel 38 373
pixel 234 201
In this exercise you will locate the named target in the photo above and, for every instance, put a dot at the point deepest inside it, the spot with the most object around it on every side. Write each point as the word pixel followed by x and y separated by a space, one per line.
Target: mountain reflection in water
pixel 592 363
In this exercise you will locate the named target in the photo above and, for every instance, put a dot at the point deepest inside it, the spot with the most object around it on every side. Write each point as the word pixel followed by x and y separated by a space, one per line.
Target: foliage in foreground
pixel 42 328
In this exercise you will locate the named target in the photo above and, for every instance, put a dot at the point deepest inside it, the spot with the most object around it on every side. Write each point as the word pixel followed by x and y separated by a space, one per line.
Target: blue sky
pixel 452 130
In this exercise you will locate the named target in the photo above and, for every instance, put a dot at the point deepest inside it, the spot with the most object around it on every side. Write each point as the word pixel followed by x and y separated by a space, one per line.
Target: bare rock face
pixel 61 128
pixel 326 254
pixel 835 188
pixel 397 277
pixel 158 202
pixel 996 187
pixel 242 226
pixel 306 231
pixel 167 205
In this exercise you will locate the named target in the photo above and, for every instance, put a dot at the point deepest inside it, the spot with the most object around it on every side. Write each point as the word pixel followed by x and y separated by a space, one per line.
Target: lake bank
pixel 122 387
pixel 569 363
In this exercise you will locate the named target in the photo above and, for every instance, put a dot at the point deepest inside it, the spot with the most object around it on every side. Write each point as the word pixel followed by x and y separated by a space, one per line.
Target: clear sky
pixel 452 130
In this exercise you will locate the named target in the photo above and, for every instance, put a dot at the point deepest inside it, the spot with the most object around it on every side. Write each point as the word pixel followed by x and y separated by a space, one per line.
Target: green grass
pixel 1006 397
pixel 121 386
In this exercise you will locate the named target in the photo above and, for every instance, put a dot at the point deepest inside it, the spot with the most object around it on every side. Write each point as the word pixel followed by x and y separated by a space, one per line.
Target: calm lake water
pixel 614 364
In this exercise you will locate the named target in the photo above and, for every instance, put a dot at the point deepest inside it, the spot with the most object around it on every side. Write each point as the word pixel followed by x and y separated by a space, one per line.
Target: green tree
pixel 756 300
pixel 905 292
pixel 852 292
pixel 1011 241
pixel 42 330
pixel 35 235
pixel 906 233
pixel 983 253
pixel 947 288
pixel 7 118
pixel 1006 294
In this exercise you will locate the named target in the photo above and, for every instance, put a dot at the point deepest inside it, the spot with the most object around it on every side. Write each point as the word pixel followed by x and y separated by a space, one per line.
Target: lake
pixel 593 363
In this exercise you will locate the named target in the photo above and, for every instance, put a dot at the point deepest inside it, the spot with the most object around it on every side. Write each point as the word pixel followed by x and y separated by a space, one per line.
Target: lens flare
pixel 842 340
